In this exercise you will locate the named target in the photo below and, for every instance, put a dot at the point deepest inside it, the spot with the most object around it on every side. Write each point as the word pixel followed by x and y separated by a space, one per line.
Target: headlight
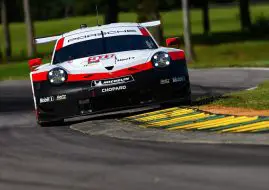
pixel 57 76
pixel 161 59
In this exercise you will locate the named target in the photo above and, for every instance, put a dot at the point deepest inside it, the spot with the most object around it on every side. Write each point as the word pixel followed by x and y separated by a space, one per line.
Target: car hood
pixel 108 62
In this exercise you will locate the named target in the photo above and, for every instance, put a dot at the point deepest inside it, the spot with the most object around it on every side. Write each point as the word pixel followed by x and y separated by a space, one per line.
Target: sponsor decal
pixel 114 88
pixel 46 99
pixel 61 97
pixel 52 98
pixel 125 59
pixel 99 34
pixel 96 59
pixel 178 79
pixel 173 80
pixel 119 32
pixel 165 81
pixel 107 82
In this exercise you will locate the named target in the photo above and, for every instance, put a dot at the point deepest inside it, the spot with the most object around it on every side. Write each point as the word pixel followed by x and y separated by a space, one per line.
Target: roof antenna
pixel 97 15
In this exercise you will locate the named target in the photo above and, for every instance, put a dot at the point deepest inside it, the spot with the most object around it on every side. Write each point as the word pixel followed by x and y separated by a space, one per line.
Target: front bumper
pixel 89 97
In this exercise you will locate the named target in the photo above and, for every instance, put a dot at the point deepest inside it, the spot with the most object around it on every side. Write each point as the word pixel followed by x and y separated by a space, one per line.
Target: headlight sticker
pixel 161 60
pixel 57 76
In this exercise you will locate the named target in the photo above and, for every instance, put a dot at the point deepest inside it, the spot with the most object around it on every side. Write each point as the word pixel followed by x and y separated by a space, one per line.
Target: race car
pixel 104 68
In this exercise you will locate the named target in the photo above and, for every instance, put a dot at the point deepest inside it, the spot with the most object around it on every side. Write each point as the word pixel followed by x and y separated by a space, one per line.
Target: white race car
pixel 108 67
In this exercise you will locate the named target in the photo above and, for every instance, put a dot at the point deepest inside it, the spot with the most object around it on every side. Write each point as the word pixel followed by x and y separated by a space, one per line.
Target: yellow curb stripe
pixel 177 120
pixel 228 122
pixel 260 125
pixel 237 129
pixel 154 112
pixel 188 119
pixel 164 115
pixel 213 124
pixel 196 125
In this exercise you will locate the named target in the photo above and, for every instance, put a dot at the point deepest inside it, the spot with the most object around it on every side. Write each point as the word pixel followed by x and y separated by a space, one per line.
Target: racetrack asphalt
pixel 61 158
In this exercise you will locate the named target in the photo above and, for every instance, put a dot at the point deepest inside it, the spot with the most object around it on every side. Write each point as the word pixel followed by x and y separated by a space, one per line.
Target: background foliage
pixel 50 9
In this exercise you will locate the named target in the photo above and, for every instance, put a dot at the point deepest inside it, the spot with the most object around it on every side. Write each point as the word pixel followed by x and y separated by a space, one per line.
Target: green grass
pixel 14 71
pixel 254 99
pixel 243 54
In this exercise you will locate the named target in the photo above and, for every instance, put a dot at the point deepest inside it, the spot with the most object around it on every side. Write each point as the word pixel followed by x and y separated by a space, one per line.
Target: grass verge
pixel 14 71
pixel 247 102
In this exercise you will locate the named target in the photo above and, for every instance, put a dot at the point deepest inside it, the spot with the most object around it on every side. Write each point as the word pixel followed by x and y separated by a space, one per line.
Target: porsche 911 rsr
pixel 108 67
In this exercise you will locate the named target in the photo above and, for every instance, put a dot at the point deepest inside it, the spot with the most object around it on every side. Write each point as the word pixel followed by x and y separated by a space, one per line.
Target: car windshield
pixel 103 46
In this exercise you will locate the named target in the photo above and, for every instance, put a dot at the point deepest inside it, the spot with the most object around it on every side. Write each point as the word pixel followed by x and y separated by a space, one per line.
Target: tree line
pixel 50 9
pixel 147 10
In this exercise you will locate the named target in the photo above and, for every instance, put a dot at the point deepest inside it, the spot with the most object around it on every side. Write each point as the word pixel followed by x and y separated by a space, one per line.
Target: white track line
pixel 253 88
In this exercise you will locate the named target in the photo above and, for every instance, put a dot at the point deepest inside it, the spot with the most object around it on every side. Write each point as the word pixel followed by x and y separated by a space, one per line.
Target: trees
pixel 67 4
pixel 245 14
pixel 148 10
pixel 29 29
pixel 206 21
pixel 0 53
pixel 112 11
pixel 187 31
pixel 204 5
pixel 5 24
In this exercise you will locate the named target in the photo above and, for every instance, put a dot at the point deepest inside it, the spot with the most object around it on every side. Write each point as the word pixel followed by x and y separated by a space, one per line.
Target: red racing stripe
pixel 37 77
pixel 60 44
pixel 40 76
pixel 144 31
pixel 177 55
pixel 99 76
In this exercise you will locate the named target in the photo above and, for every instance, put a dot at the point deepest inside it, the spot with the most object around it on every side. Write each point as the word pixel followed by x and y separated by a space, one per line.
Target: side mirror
pixel 173 42
pixel 34 63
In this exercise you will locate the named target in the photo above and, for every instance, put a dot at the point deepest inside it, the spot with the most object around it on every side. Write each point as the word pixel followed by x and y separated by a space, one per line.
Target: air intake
pixel 109 68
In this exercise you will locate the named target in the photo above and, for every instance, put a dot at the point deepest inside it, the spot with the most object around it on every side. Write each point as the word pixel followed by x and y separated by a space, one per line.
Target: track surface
pixel 60 158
